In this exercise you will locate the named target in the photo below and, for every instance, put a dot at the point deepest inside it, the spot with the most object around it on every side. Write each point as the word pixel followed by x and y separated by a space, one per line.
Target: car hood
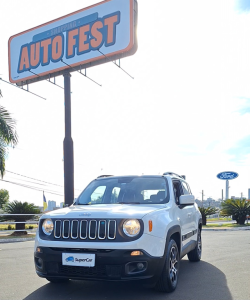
pixel 104 211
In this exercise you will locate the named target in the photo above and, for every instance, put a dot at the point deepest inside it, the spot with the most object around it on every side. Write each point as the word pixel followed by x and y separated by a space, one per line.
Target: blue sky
pixel 243 5
pixel 186 111
pixel 241 150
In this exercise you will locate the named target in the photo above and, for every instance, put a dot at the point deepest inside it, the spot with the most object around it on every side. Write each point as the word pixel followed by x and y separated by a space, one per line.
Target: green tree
pixel 206 212
pixel 4 197
pixel 17 207
pixel 8 135
pixel 236 208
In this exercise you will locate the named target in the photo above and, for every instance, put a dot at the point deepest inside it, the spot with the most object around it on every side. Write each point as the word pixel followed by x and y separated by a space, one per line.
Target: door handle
pixel 189 215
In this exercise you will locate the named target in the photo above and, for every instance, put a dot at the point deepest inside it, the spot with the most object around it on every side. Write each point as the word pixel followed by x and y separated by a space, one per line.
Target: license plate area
pixel 80 260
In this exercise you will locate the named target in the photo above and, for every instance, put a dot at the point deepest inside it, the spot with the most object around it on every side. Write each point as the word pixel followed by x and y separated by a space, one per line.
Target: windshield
pixel 125 190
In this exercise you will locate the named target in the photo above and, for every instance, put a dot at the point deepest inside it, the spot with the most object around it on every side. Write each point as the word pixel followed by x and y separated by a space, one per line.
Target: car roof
pixel 102 177
pixel 170 174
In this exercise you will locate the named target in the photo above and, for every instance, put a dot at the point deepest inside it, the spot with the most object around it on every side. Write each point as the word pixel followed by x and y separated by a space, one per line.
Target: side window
pixel 97 195
pixel 114 195
pixel 178 191
pixel 185 188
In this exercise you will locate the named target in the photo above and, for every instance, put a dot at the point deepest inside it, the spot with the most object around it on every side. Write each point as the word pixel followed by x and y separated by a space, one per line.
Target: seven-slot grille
pixel 85 229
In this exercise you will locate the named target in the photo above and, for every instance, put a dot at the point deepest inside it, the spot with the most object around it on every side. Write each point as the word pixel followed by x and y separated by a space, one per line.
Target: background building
pixel 51 205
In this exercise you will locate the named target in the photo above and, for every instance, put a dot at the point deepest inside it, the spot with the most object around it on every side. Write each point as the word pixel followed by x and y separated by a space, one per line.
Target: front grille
pixel 85 229
pixel 100 271
pixel 97 271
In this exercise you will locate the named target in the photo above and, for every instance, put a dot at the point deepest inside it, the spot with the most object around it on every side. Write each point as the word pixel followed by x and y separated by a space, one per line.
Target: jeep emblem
pixel 85 215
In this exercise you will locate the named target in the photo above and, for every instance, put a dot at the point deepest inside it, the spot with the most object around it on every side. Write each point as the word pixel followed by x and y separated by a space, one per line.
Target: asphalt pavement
pixel 223 274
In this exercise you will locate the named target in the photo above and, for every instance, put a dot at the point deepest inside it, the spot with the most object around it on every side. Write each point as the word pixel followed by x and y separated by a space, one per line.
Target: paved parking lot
pixel 223 273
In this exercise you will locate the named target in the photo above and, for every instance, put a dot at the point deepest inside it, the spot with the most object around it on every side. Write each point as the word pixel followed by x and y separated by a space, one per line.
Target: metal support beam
pixel 227 189
pixel 68 146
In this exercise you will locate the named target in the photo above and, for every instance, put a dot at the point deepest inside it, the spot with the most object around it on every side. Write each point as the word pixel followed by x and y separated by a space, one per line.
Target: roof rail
pixel 102 176
pixel 171 173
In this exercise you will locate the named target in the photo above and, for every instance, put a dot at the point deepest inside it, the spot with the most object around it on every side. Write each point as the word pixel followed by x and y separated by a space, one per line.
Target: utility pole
pixel 202 198
pixel 222 194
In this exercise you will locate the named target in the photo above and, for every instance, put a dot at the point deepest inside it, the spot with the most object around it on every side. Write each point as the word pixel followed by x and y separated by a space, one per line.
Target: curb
pixel 226 229
pixel 4 241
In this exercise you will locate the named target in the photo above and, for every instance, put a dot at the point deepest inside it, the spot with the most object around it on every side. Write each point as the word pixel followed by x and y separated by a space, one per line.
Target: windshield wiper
pixel 128 202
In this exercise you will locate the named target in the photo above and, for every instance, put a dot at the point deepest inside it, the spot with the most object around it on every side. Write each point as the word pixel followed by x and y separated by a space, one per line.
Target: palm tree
pixel 237 208
pixel 8 135
pixel 206 212
pixel 17 207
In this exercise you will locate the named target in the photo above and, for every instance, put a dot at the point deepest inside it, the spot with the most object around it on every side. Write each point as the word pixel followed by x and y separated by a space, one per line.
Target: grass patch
pixel 3 237
pixel 225 225
pixel 220 219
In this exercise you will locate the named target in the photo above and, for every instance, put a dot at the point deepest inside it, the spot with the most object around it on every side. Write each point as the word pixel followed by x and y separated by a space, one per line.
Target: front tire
pixel 169 277
pixel 195 254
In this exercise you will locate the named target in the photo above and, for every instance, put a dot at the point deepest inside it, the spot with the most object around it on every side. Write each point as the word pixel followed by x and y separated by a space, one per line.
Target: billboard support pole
pixel 68 145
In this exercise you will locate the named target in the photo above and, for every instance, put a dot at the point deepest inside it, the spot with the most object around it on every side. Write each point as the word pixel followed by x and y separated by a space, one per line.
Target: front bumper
pixel 113 265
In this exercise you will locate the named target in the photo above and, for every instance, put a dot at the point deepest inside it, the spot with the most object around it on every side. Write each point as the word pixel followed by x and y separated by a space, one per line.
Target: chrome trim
pixel 100 238
pixel 65 237
pixel 72 225
pixel 92 238
pixel 58 237
pixel 80 235
pixel 114 230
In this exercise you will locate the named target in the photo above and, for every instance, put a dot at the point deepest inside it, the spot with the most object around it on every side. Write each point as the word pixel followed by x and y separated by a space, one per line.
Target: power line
pixel 39 180
pixel 34 179
pixel 27 181
pixel 32 188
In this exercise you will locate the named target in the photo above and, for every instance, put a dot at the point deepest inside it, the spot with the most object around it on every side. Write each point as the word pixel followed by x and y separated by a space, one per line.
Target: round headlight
pixel 47 226
pixel 131 227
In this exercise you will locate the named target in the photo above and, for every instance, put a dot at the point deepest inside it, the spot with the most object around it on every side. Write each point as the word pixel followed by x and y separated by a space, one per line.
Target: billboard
pixel 94 35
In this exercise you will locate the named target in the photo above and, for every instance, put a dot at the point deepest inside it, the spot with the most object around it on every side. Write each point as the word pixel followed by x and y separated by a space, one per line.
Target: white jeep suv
pixel 122 228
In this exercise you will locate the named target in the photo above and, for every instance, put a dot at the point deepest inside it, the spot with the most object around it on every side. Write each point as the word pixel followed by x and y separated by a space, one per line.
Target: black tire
pixel 169 277
pixel 195 255
pixel 58 280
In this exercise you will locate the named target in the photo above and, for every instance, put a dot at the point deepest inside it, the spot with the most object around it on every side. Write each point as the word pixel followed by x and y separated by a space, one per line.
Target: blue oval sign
pixel 227 175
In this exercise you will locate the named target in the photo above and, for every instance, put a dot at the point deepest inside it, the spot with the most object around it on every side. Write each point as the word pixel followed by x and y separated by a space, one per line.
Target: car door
pixel 184 213
pixel 191 213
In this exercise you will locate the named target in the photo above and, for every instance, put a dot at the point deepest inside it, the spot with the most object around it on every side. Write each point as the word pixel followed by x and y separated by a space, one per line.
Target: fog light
pixel 39 263
pixel 38 249
pixel 136 253
pixel 140 266
pixel 135 267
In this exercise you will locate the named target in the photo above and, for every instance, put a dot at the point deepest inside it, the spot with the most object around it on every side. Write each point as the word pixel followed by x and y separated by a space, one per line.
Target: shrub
pixel 238 209
pixel 206 212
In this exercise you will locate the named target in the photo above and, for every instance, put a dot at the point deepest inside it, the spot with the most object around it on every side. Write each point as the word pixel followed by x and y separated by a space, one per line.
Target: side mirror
pixel 186 200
